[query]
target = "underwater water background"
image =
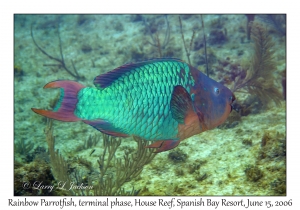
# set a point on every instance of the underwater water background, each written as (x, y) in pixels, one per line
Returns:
(244, 156)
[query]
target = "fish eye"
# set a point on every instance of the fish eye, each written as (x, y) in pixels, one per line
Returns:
(217, 91)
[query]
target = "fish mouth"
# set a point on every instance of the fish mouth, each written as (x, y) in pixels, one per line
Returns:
(233, 99)
(233, 103)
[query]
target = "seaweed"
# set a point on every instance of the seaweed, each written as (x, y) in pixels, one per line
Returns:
(250, 19)
(195, 166)
(33, 179)
(179, 172)
(83, 19)
(127, 168)
(38, 153)
(279, 185)
(114, 172)
(89, 143)
(247, 142)
(233, 120)
(259, 78)
(276, 21)
(177, 156)
(187, 49)
(85, 48)
(155, 38)
(200, 177)
(207, 58)
(253, 173)
(59, 166)
(273, 146)
(23, 147)
(283, 84)
(196, 43)
(205, 48)
(217, 37)
(60, 61)
(18, 71)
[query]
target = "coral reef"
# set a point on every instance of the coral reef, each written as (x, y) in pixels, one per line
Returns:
(218, 162)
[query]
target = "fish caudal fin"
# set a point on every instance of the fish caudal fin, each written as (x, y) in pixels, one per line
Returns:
(64, 109)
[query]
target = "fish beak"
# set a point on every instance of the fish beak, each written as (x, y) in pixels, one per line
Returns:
(233, 98)
(236, 106)
(233, 103)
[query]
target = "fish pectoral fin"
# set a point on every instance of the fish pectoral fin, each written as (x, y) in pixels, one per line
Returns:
(105, 127)
(164, 145)
(181, 104)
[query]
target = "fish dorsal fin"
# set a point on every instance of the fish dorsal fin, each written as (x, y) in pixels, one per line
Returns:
(105, 80)
(181, 104)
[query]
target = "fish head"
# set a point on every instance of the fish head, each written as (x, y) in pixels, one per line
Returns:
(212, 101)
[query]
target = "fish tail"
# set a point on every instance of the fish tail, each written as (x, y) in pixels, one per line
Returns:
(64, 109)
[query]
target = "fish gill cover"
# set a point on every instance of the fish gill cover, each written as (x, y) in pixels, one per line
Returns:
(245, 53)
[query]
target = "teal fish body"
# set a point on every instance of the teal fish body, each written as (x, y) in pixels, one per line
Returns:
(163, 100)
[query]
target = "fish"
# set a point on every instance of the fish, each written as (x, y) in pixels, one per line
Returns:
(164, 100)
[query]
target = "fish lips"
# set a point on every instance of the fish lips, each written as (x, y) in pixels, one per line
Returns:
(234, 105)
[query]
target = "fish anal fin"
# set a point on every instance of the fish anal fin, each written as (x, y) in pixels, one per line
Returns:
(164, 145)
(156, 144)
(105, 127)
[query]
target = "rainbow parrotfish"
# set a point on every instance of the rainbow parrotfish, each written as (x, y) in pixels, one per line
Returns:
(163, 100)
